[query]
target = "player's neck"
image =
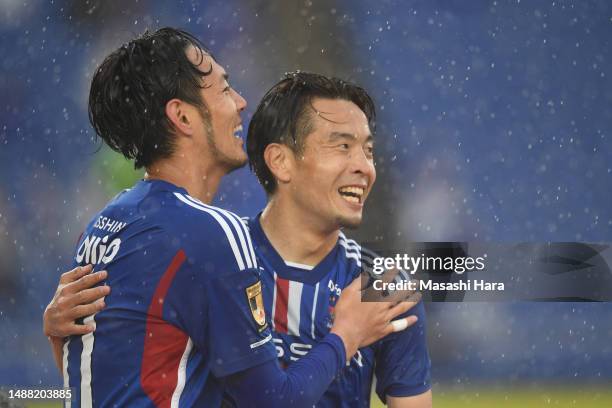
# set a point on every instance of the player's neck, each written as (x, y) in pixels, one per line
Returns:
(293, 237)
(200, 182)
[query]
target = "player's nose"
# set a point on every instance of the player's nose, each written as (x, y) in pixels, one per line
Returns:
(241, 103)
(362, 164)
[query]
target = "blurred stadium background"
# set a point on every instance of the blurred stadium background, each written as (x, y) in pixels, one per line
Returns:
(495, 124)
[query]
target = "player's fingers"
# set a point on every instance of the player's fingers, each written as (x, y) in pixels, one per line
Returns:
(70, 329)
(76, 273)
(413, 297)
(86, 310)
(400, 296)
(87, 296)
(78, 329)
(389, 275)
(402, 324)
(400, 308)
(85, 282)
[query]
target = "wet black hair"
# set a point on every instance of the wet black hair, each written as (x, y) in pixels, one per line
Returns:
(285, 114)
(130, 89)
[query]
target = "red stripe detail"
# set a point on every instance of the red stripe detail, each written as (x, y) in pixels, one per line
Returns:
(280, 311)
(164, 344)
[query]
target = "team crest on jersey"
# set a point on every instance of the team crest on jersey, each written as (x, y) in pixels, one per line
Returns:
(256, 305)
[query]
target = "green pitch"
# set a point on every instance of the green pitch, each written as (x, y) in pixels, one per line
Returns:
(523, 397)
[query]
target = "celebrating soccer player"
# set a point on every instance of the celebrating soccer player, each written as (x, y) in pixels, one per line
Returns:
(186, 320)
(310, 143)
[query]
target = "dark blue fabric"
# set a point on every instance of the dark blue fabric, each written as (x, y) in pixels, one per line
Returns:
(301, 385)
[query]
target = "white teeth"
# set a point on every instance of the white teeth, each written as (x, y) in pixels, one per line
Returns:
(355, 193)
(351, 199)
(353, 190)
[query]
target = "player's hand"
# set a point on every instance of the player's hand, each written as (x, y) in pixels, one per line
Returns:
(360, 324)
(74, 298)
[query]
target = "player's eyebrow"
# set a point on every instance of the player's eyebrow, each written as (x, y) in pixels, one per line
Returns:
(335, 136)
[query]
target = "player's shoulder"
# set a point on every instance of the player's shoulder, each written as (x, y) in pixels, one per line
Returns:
(171, 209)
(119, 212)
(247, 222)
(212, 228)
(363, 258)
(192, 213)
(353, 251)
(163, 206)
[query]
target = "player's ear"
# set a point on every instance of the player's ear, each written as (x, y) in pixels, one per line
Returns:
(181, 115)
(279, 160)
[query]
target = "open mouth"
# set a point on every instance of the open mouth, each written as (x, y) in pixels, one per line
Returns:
(238, 132)
(352, 194)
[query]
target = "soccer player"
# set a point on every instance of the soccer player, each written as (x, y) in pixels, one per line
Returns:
(310, 143)
(311, 146)
(185, 319)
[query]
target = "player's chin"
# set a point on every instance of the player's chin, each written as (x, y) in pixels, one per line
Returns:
(241, 159)
(350, 220)
(236, 162)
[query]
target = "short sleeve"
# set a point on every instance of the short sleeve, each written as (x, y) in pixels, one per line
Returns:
(403, 367)
(238, 334)
(217, 298)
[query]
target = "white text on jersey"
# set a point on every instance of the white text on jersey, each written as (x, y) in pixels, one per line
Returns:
(94, 250)
(109, 225)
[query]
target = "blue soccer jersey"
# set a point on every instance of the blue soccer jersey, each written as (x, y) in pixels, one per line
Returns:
(186, 304)
(301, 300)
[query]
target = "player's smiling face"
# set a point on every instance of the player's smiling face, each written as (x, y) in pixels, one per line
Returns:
(224, 105)
(336, 172)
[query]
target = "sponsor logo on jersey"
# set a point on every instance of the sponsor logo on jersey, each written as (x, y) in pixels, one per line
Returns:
(298, 350)
(334, 293)
(96, 250)
(334, 288)
(256, 305)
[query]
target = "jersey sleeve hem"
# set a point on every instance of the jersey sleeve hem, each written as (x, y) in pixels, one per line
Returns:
(404, 391)
(243, 363)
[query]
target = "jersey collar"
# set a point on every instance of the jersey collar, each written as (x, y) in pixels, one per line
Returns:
(161, 185)
(290, 271)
